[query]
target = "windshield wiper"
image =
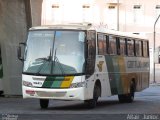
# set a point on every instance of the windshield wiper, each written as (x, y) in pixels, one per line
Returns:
(59, 64)
(48, 59)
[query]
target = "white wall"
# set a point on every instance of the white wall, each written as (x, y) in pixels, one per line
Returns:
(130, 19)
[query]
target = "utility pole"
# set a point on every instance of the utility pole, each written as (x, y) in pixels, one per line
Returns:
(154, 49)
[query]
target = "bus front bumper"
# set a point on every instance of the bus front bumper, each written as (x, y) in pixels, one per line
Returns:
(61, 94)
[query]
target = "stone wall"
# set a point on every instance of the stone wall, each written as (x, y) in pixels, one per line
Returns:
(12, 31)
(16, 16)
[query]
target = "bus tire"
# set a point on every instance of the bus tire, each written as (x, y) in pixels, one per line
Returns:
(44, 103)
(128, 98)
(92, 103)
(1, 92)
(122, 98)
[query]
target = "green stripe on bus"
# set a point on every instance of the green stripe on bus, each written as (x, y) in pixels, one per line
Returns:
(57, 82)
(48, 82)
(117, 74)
(122, 69)
(110, 68)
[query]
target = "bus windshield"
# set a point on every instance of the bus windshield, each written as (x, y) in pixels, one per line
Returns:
(55, 52)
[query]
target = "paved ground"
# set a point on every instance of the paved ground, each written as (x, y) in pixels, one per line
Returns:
(146, 102)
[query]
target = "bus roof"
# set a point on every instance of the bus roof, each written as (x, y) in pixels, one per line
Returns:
(75, 26)
(125, 34)
(89, 26)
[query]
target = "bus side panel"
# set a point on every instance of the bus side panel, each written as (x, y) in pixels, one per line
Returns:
(102, 75)
(138, 69)
(112, 79)
(138, 81)
(89, 87)
(124, 75)
(145, 80)
(145, 73)
(117, 74)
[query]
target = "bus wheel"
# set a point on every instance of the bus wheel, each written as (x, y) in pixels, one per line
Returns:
(127, 97)
(1, 92)
(130, 96)
(122, 98)
(44, 103)
(93, 102)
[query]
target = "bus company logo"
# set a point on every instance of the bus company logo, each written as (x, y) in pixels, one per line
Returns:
(99, 65)
(137, 64)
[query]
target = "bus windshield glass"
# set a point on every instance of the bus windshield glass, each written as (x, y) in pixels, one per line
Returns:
(55, 52)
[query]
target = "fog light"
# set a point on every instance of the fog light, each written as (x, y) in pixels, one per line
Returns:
(30, 92)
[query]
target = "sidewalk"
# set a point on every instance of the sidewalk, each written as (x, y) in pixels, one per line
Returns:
(156, 83)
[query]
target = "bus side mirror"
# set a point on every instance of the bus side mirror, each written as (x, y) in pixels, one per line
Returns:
(19, 51)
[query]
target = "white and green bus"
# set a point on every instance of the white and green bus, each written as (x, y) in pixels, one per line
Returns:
(79, 62)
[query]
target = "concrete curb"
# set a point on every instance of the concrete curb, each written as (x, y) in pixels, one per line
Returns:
(155, 84)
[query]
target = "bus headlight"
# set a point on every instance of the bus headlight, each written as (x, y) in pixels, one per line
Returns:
(78, 84)
(26, 83)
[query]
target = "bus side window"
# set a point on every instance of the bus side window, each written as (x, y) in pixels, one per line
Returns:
(112, 45)
(105, 44)
(138, 47)
(100, 44)
(118, 45)
(102, 50)
(122, 46)
(145, 49)
(148, 48)
(130, 47)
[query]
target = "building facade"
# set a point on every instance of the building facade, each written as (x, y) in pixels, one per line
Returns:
(136, 16)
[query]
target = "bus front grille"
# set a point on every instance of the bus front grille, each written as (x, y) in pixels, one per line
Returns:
(50, 94)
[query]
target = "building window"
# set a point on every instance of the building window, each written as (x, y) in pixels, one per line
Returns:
(111, 7)
(157, 8)
(138, 15)
(137, 6)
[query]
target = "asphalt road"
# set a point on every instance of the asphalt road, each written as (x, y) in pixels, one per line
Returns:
(146, 106)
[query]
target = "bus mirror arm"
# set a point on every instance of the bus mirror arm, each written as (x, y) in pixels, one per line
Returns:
(19, 51)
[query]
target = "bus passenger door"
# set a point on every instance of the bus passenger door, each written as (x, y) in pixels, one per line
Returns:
(90, 62)
(91, 53)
